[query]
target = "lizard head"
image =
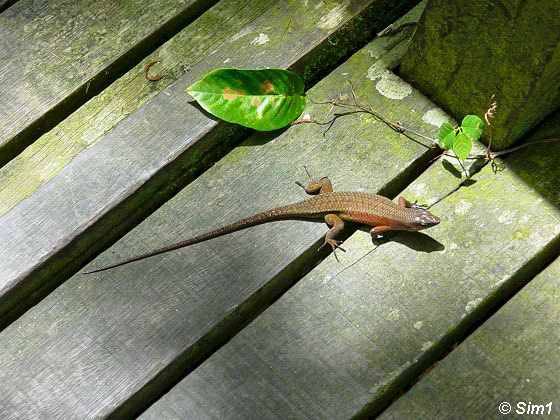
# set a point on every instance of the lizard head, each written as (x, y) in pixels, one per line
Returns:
(423, 219)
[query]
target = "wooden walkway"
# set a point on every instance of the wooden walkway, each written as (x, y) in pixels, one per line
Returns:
(98, 164)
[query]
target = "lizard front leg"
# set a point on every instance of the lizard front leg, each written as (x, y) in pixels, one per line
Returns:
(377, 231)
(336, 225)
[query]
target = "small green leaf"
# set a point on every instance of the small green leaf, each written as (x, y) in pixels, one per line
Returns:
(444, 130)
(462, 146)
(472, 126)
(473, 121)
(265, 100)
(448, 141)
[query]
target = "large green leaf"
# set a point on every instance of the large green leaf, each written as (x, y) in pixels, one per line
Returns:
(261, 99)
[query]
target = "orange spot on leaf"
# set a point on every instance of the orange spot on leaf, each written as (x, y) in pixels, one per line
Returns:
(230, 94)
(267, 86)
(256, 101)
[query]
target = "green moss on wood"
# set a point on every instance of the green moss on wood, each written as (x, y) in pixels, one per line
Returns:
(464, 52)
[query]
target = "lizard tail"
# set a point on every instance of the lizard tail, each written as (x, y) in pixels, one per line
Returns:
(280, 213)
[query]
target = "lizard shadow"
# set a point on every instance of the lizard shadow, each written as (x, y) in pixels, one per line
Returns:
(417, 241)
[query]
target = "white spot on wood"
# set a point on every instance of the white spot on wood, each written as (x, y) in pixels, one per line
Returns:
(227, 60)
(427, 345)
(470, 306)
(245, 31)
(332, 19)
(462, 207)
(393, 87)
(453, 246)
(377, 70)
(418, 325)
(435, 117)
(260, 40)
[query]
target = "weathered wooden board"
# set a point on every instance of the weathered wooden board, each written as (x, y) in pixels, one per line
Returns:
(113, 184)
(513, 358)
(56, 55)
(112, 342)
(47, 156)
(344, 341)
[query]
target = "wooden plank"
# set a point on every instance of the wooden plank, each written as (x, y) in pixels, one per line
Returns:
(56, 55)
(109, 344)
(167, 142)
(47, 156)
(513, 358)
(349, 337)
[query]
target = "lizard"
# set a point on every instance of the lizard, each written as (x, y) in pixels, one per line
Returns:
(325, 205)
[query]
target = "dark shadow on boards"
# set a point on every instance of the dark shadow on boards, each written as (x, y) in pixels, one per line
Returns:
(417, 241)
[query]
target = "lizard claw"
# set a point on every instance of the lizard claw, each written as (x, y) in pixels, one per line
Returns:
(333, 243)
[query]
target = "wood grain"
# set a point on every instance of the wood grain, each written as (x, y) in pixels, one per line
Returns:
(108, 345)
(47, 156)
(56, 55)
(513, 357)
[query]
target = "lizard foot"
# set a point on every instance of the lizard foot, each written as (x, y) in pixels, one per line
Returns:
(334, 244)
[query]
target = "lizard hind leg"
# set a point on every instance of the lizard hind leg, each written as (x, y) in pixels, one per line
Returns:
(336, 225)
(317, 186)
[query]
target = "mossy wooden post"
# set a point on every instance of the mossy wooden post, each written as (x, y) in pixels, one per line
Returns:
(465, 51)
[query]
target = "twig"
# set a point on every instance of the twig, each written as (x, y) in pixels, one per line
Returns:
(401, 129)
(522, 146)
(147, 75)
(458, 187)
